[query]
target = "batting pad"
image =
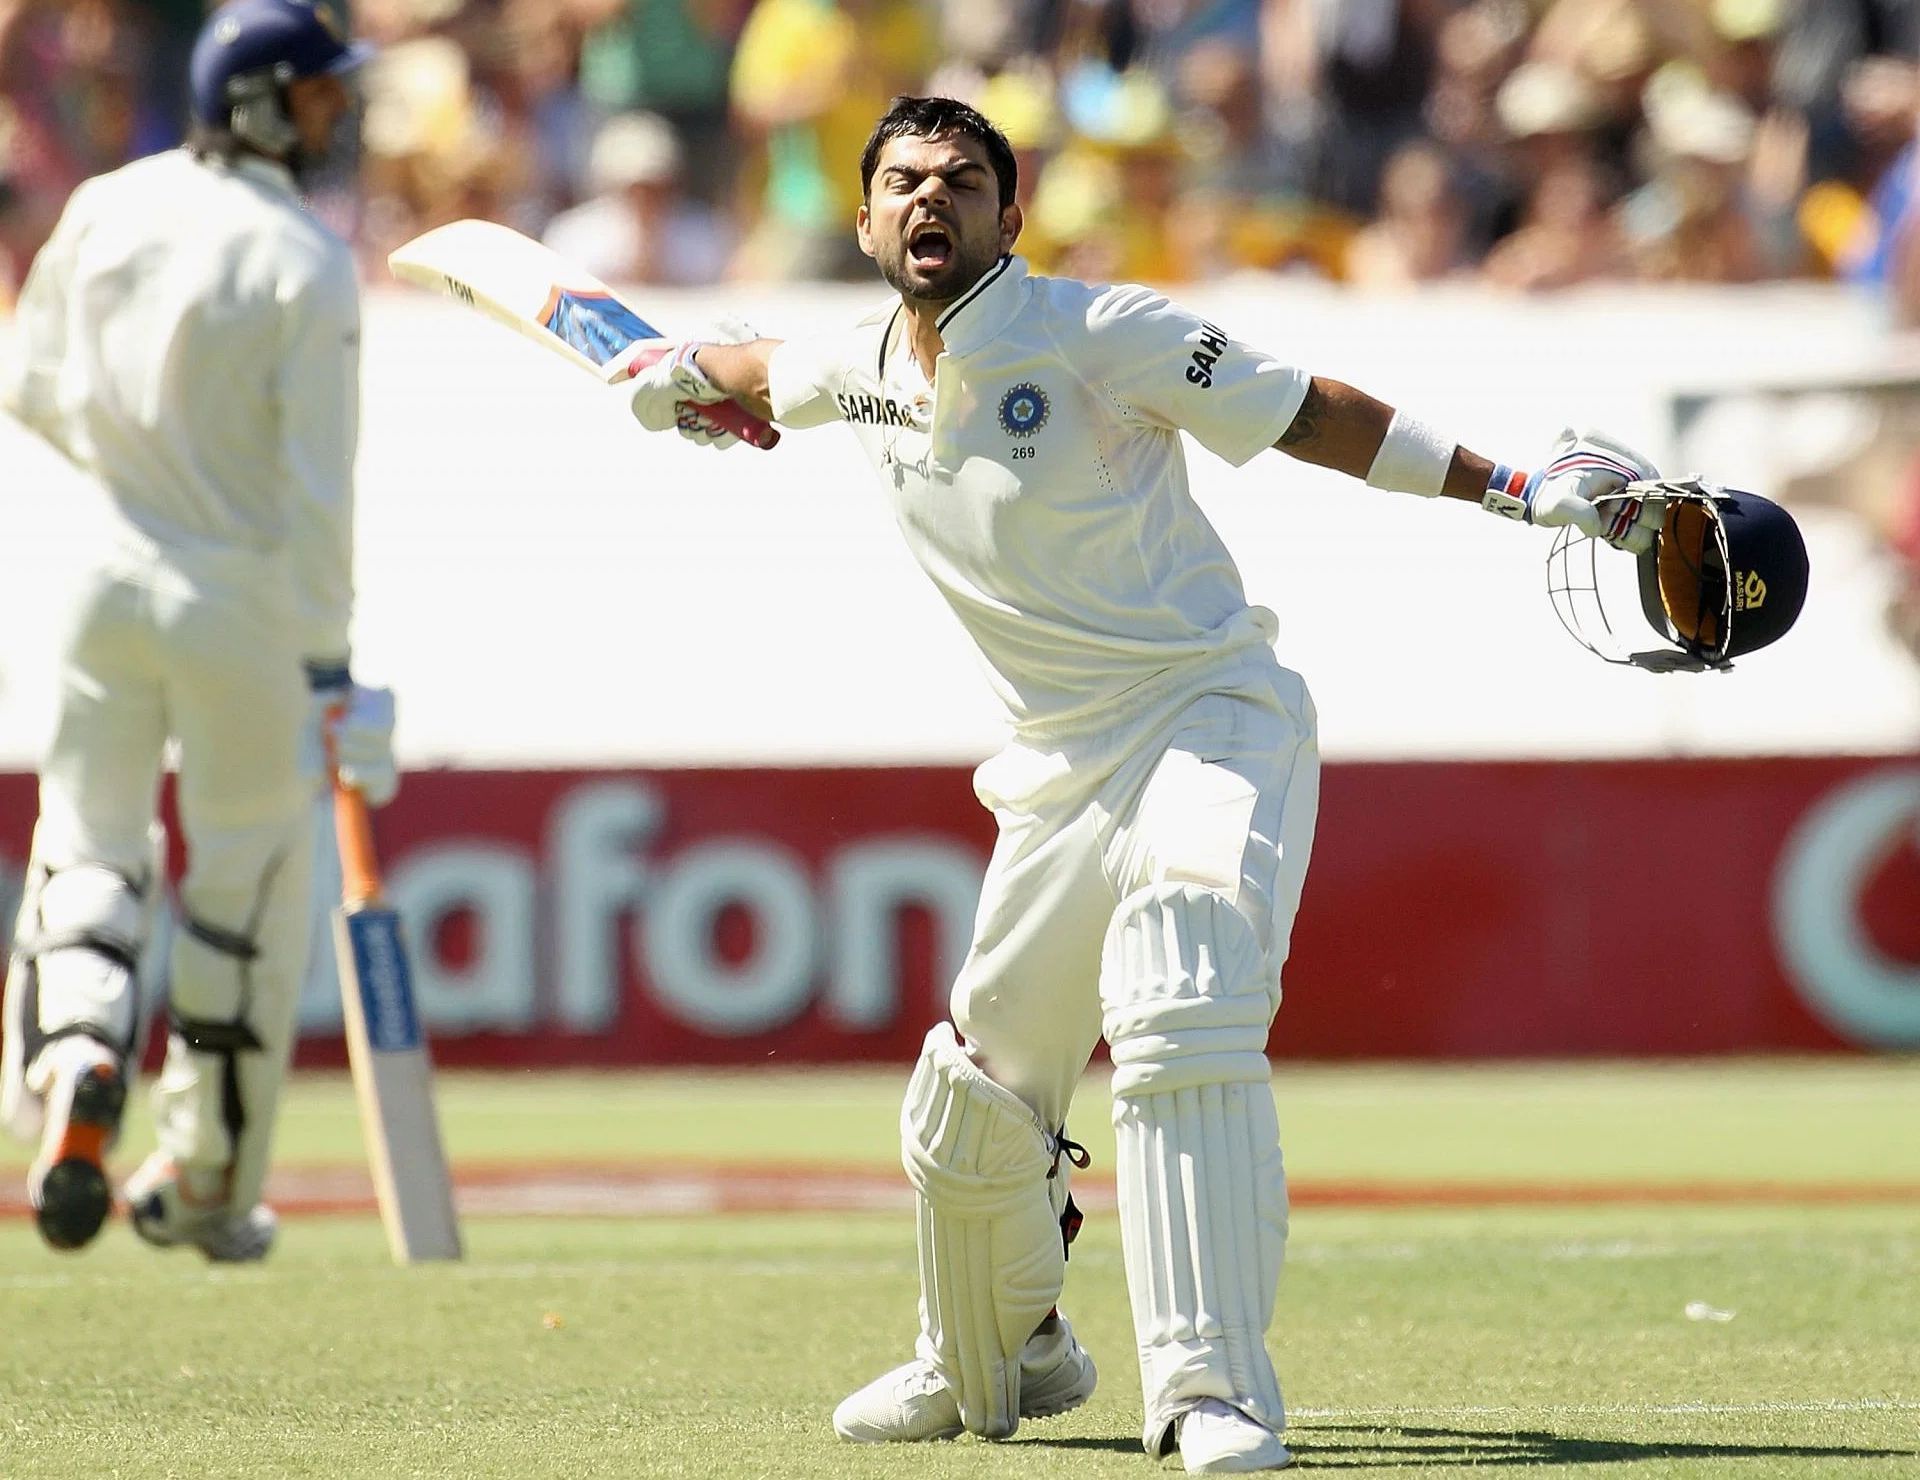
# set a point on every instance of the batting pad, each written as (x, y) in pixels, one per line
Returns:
(1201, 1186)
(1184, 992)
(92, 925)
(231, 1015)
(991, 1260)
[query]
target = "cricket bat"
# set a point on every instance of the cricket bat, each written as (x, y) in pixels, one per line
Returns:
(532, 289)
(392, 1074)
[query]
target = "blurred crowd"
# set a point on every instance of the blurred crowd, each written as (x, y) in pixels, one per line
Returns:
(1532, 144)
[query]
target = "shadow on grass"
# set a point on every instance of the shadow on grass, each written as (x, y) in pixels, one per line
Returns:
(1098, 1446)
(1401, 1444)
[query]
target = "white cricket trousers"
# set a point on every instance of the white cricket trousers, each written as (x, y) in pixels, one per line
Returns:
(1218, 788)
(159, 646)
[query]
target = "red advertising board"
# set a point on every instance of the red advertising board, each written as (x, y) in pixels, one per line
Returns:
(1452, 910)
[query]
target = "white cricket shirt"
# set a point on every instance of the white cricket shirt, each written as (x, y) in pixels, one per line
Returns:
(189, 336)
(1040, 479)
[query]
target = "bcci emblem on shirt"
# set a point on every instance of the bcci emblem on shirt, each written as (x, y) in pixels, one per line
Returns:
(1023, 410)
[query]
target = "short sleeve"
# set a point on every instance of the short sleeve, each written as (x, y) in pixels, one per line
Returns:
(1167, 366)
(803, 377)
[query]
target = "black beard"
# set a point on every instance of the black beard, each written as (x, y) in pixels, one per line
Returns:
(966, 269)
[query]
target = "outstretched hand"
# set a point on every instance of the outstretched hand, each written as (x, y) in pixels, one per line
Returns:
(670, 391)
(1583, 484)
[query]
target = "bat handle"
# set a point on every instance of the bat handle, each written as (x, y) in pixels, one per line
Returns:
(359, 865)
(729, 414)
(352, 829)
(744, 424)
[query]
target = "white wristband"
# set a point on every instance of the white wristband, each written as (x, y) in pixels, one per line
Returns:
(1413, 458)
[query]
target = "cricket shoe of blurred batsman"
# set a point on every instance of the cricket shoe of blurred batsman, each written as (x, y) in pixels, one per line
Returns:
(1156, 801)
(188, 339)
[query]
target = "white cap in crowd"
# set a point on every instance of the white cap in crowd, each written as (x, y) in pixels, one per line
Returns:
(632, 149)
(1546, 98)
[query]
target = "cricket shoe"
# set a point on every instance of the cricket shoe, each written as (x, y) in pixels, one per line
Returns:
(165, 1215)
(1218, 1439)
(913, 1404)
(84, 1094)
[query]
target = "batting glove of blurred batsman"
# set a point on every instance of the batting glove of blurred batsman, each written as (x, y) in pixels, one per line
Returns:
(355, 725)
(1581, 485)
(670, 389)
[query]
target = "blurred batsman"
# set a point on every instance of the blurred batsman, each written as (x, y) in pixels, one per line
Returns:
(1155, 802)
(188, 338)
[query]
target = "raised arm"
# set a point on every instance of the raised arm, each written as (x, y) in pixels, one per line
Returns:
(1349, 431)
(711, 388)
(1345, 429)
(739, 372)
(1166, 366)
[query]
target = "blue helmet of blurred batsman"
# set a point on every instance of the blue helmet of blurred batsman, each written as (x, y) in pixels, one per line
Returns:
(250, 51)
(1726, 575)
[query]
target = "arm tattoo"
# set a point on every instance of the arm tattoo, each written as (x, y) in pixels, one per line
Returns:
(1305, 426)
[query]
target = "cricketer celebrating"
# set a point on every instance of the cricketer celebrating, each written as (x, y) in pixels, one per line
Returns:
(188, 338)
(1156, 800)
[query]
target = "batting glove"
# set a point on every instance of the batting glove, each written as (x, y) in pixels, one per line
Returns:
(1581, 485)
(355, 724)
(697, 426)
(669, 389)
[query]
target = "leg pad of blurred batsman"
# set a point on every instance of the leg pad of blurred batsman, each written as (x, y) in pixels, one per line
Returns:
(1188, 995)
(72, 1021)
(992, 1193)
(231, 1023)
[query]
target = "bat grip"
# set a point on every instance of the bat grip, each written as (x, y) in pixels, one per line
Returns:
(352, 828)
(743, 424)
(359, 866)
(729, 414)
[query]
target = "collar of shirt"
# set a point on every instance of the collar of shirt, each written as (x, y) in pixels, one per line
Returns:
(264, 171)
(979, 315)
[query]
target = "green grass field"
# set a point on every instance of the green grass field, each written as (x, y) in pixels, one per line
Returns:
(1413, 1340)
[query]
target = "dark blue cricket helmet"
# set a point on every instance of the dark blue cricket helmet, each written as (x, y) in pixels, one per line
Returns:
(1726, 575)
(250, 50)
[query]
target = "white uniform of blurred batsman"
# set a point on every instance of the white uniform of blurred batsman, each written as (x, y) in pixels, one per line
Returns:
(188, 338)
(1155, 804)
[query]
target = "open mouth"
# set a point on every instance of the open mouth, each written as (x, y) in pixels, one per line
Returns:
(930, 245)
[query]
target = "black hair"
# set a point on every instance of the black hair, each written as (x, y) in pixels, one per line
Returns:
(928, 118)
